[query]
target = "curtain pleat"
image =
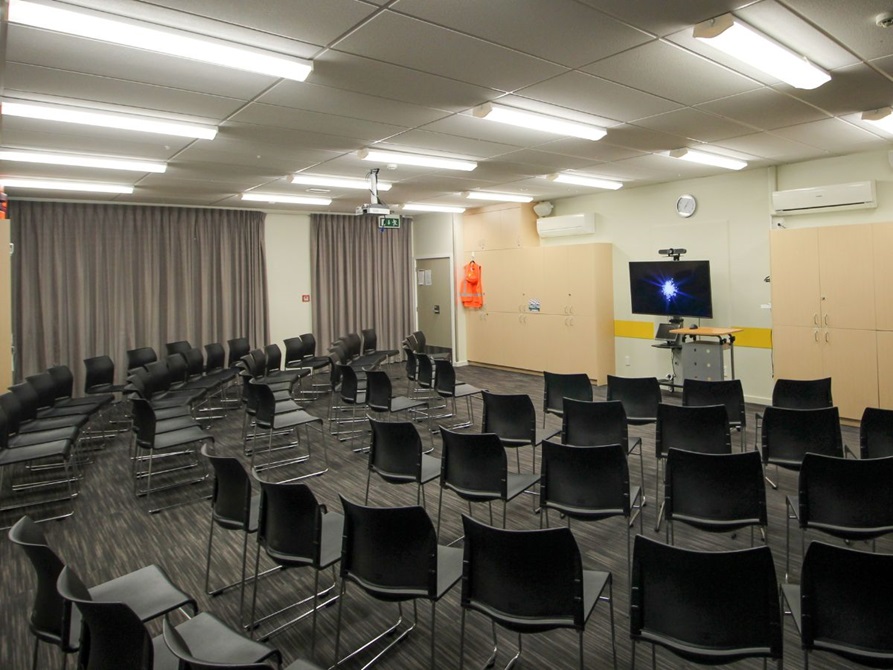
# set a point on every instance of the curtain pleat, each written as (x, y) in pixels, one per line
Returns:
(362, 277)
(94, 279)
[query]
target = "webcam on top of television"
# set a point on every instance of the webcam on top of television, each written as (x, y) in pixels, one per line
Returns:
(674, 253)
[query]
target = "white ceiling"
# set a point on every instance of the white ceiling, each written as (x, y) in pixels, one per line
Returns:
(404, 75)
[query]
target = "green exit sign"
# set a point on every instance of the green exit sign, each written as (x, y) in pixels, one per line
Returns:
(388, 221)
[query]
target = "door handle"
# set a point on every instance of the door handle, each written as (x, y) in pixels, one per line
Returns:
(827, 337)
(826, 319)
(815, 334)
(815, 318)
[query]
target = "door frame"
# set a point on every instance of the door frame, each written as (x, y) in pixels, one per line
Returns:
(415, 292)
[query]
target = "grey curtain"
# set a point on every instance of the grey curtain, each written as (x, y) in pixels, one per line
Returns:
(362, 277)
(93, 279)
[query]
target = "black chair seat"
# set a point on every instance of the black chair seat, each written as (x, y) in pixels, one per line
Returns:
(147, 591)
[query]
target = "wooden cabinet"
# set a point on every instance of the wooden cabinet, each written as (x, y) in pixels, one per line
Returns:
(573, 329)
(505, 226)
(829, 301)
(885, 368)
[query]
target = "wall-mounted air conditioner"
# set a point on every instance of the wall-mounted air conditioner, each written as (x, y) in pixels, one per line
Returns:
(855, 195)
(569, 224)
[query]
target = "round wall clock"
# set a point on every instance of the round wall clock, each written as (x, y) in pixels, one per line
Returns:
(686, 205)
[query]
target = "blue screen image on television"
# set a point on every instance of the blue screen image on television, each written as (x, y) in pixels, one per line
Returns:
(671, 288)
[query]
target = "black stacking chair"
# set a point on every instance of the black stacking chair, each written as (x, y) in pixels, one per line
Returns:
(425, 379)
(716, 493)
(513, 418)
(100, 376)
(640, 397)
(798, 394)
(352, 394)
(529, 581)
(393, 555)
(397, 456)
(588, 484)
(558, 386)
(448, 388)
(842, 606)
(295, 531)
(238, 347)
(474, 466)
(789, 434)
(411, 369)
(63, 379)
(380, 396)
(178, 347)
(702, 428)
(370, 344)
(147, 591)
(728, 392)
(20, 433)
(876, 433)
(706, 607)
(421, 346)
(140, 358)
(846, 498)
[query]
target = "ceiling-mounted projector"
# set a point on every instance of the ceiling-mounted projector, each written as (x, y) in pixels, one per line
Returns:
(374, 208)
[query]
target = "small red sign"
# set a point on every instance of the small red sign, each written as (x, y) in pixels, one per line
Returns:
(305, 297)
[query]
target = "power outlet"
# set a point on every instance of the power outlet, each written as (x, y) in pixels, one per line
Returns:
(626, 361)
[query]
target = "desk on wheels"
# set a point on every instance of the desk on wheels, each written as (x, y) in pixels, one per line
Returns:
(696, 358)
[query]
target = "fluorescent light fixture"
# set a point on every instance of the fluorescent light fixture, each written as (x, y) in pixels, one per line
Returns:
(420, 207)
(583, 180)
(87, 117)
(535, 121)
(400, 158)
(63, 185)
(75, 160)
(739, 40)
(285, 199)
(168, 41)
(337, 182)
(496, 197)
(705, 158)
(882, 118)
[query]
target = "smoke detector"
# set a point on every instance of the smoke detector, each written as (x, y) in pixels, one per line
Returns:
(884, 20)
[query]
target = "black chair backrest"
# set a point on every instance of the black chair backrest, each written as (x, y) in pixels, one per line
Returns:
(195, 362)
(231, 495)
(350, 383)
(703, 428)
(353, 344)
(43, 384)
(425, 373)
(295, 350)
(534, 578)
(378, 390)
(29, 401)
(48, 608)
(177, 368)
(290, 523)
(12, 411)
(585, 482)
(640, 397)
(144, 420)
(846, 498)
(63, 380)
(255, 362)
(100, 370)
(140, 357)
(410, 364)
(396, 450)
(728, 392)
(238, 347)
(309, 342)
(389, 551)
(262, 401)
(444, 377)
(802, 393)
(370, 340)
(215, 357)
(698, 601)
(845, 599)
(590, 424)
(715, 492)
(160, 377)
(474, 465)
(511, 416)
(116, 636)
(876, 433)
(273, 357)
(789, 434)
(178, 347)
(558, 386)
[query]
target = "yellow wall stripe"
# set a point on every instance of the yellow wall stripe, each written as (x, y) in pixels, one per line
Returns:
(755, 338)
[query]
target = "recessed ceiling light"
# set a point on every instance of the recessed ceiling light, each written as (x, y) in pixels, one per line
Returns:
(400, 158)
(737, 39)
(584, 180)
(706, 158)
(421, 207)
(496, 197)
(103, 119)
(64, 185)
(548, 124)
(336, 182)
(136, 34)
(285, 199)
(75, 160)
(881, 118)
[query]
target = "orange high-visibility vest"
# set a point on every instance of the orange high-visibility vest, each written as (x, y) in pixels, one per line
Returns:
(472, 292)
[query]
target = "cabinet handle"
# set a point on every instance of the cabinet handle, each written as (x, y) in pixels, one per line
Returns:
(815, 318)
(815, 333)
(565, 309)
(572, 309)
(827, 336)
(571, 321)
(826, 319)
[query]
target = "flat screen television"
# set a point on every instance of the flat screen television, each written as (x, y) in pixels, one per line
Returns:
(671, 288)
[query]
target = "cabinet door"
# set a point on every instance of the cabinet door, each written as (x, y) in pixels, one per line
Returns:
(569, 345)
(498, 290)
(796, 352)
(526, 276)
(478, 336)
(882, 243)
(795, 277)
(846, 269)
(471, 232)
(556, 287)
(885, 368)
(850, 359)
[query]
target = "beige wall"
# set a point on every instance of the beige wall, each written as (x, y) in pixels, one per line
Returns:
(288, 275)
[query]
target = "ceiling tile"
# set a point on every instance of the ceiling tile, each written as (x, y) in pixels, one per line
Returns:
(855, 88)
(592, 151)
(851, 22)
(422, 140)
(643, 139)
(764, 108)
(326, 124)
(662, 18)
(771, 147)
(831, 135)
(466, 125)
(695, 125)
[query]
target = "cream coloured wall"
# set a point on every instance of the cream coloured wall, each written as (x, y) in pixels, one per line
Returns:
(287, 239)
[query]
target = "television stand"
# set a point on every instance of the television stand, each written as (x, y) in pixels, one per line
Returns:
(674, 380)
(725, 340)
